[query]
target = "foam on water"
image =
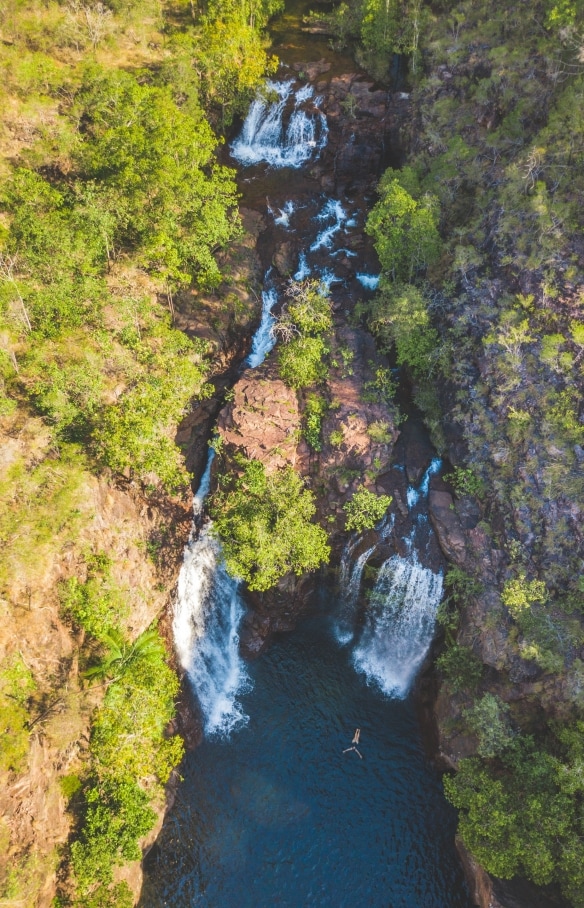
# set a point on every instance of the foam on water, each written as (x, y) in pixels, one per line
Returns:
(284, 215)
(303, 268)
(332, 211)
(399, 624)
(369, 281)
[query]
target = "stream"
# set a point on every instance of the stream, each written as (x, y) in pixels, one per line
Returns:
(274, 809)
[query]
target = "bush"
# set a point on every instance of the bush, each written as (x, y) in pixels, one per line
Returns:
(365, 509)
(519, 814)
(314, 411)
(404, 225)
(302, 362)
(519, 594)
(95, 604)
(16, 686)
(488, 719)
(460, 667)
(264, 524)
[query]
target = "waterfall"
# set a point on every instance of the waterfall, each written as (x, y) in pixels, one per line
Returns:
(264, 137)
(350, 574)
(204, 486)
(414, 495)
(303, 268)
(264, 338)
(399, 624)
(207, 613)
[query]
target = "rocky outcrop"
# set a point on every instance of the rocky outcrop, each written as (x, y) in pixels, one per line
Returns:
(263, 420)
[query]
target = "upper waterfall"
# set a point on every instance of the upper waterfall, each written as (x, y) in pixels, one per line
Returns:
(265, 137)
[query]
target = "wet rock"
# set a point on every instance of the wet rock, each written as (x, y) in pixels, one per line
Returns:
(447, 525)
(311, 71)
(284, 259)
(418, 452)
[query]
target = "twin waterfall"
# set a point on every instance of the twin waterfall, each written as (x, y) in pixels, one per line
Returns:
(391, 634)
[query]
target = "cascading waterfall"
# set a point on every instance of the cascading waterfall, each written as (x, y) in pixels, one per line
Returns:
(264, 138)
(350, 574)
(414, 495)
(203, 490)
(207, 613)
(399, 624)
(264, 338)
(332, 211)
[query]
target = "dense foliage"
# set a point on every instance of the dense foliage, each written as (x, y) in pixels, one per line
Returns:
(488, 322)
(264, 522)
(364, 509)
(112, 204)
(304, 326)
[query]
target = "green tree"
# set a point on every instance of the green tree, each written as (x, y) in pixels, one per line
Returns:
(364, 509)
(404, 225)
(264, 522)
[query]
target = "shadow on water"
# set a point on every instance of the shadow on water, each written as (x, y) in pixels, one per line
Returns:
(278, 815)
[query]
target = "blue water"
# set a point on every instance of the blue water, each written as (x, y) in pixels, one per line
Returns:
(279, 816)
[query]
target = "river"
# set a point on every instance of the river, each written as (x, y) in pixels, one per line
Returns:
(276, 806)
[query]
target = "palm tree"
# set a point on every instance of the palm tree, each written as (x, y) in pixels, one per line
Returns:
(121, 654)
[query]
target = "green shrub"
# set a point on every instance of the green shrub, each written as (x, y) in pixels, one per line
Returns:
(314, 411)
(302, 361)
(95, 604)
(466, 482)
(16, 686)
(488, 719)
(404, 225)
(520, 594)
(365, 509)
(264, 524)
(519, 814)
(460, 667)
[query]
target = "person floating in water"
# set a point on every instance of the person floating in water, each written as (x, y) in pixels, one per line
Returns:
(354, 743)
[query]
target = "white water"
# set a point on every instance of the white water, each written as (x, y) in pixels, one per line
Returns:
(284, 215)
(413, 495)
(264, 339)
(303, 268)
(265, 137)
(332, 211)
(204, 486)
(207, 613)
(208, 608)
(350, 574)
(399, 624)
(370, 281)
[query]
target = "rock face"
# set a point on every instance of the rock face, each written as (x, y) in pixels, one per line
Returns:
(263, 420)
(447, 525)
(225, 319)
